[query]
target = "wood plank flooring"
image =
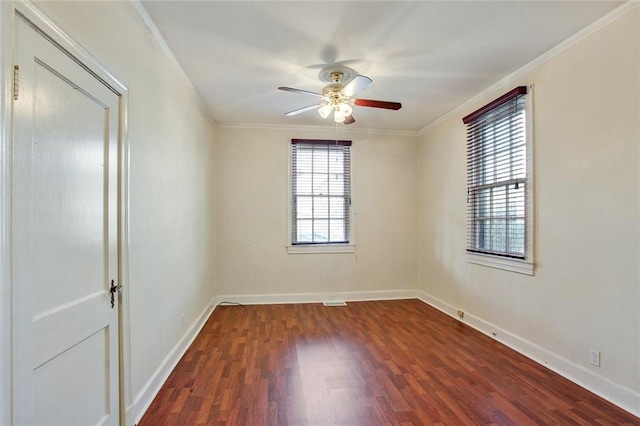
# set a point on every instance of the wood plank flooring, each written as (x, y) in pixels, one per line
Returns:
(368, 363)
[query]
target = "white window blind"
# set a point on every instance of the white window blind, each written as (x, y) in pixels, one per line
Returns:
(321, 191)
(497, 177)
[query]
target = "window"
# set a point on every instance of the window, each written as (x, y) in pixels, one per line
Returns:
(498, 178)
(321, 191)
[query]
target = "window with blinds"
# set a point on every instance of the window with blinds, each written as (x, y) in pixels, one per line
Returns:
(497, 177)
(321, 191)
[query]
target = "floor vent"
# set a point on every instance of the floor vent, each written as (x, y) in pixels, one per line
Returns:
(335, 303)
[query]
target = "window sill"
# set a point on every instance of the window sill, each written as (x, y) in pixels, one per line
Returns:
(321, 249)
(513, 265)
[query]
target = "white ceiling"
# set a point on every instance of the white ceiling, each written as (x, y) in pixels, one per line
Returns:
(430, 55)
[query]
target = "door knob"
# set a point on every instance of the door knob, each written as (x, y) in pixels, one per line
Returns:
(113, 289)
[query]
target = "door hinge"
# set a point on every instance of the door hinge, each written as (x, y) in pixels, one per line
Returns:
(16, 82)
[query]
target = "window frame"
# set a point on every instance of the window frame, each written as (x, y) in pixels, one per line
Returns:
(319, 247)
(525, 265)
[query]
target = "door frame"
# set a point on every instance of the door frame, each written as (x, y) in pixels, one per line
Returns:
(9, 12)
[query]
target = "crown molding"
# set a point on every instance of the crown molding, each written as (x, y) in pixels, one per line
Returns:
(342, 131)
(594, 27)
(155, 32)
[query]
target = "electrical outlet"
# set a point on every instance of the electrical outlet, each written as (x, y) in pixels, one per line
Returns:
(594, 357)
(182, 319)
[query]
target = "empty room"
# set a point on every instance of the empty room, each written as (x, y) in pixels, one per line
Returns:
(320, 212)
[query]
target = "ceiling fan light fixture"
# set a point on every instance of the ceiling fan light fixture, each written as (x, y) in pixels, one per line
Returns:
(325, 110)
(346, 109)
(338, 116)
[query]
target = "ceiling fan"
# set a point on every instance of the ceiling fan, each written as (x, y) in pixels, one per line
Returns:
(337, 98)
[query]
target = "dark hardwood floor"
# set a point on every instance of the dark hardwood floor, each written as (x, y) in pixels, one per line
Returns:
(367, 363)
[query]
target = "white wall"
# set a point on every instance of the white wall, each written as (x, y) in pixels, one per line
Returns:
(252, 216)
(586, 290)
(171, 185)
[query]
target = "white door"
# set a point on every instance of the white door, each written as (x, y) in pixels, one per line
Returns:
(64, 239)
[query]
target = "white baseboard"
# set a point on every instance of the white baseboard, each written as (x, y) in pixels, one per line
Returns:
(623, 397)
(145, 397)
(349, 296)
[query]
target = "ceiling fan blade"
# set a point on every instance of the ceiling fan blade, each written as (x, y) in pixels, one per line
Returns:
(356, 85)
(349, 119)
(304, 92)
(301, 110)
(377, 104)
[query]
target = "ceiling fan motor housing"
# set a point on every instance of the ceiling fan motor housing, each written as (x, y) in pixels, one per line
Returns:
(332, 88)
(334, 95)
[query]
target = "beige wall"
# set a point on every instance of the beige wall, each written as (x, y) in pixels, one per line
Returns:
(171, 173)
(252, 216)
(586, 290)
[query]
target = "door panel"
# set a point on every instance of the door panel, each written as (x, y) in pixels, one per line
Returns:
(85, 366)
(70, 225)
(64, 239)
